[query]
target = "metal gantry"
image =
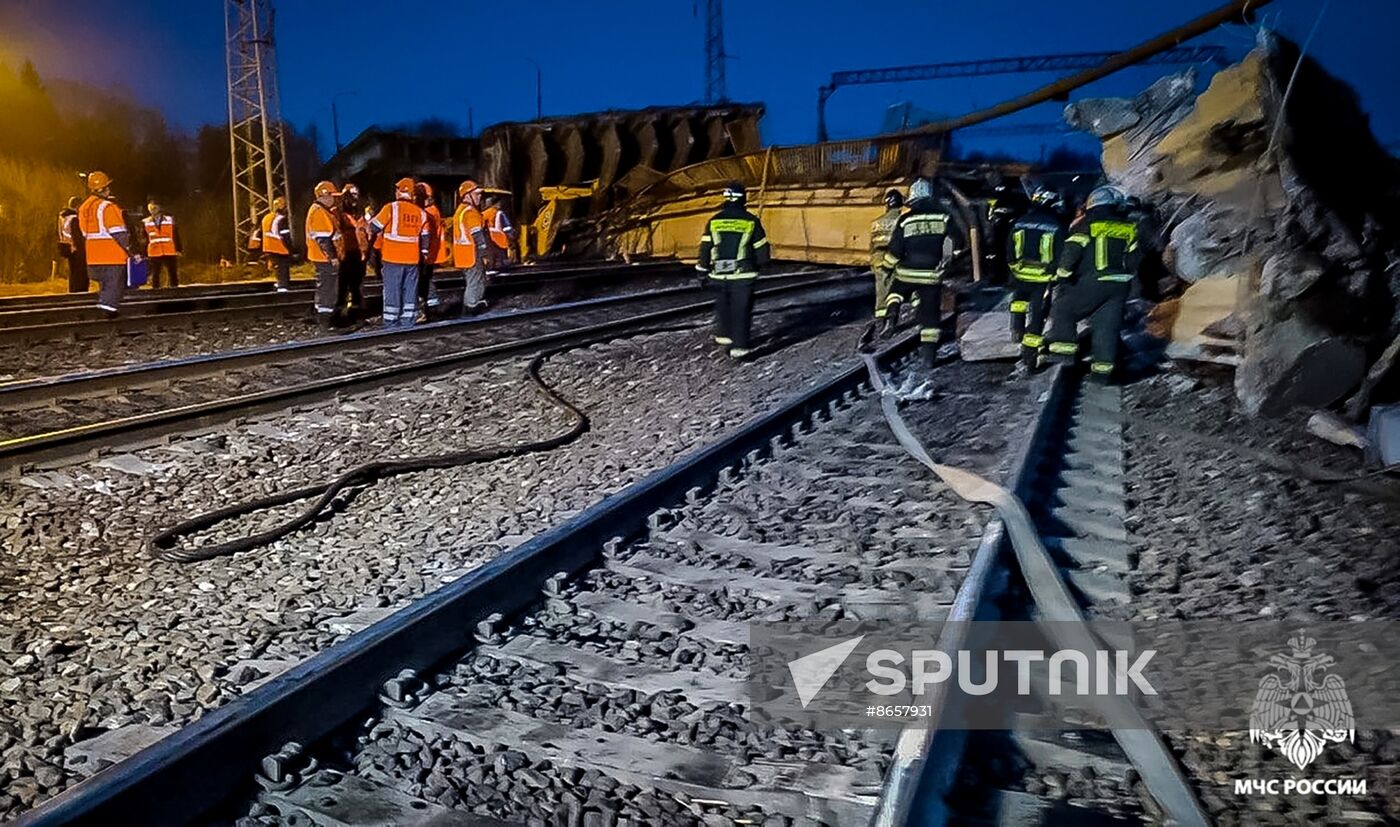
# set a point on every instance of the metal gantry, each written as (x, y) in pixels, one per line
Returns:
(257, 146)
(714, 51)
(1000, 66)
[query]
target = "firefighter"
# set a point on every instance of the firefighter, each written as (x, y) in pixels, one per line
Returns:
(401, 230)
(1005, 206)
(427, 290)
(732, 249)
(106, 242)
(162, 245)
(880, 231)
(1100, 261)
(501, 232)
(354, 228)
(1033, 247)
(924, 242)
(325, 249)
(70, 246)
(276, 238)
(470, 246)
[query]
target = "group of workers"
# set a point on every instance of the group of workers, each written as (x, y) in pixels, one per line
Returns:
(1061, 270)
(405, 242)
(1066, 271)
(94, 240)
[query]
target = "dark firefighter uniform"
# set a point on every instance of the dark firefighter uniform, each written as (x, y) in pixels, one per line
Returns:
(1033, 247)
(1100, 261)
(880, 231)
(921, 247)
(1005, 206)
(732, 249)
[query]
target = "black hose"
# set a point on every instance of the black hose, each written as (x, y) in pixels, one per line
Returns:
(164, 545)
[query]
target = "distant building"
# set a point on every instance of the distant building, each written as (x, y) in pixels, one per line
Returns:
(376, 158)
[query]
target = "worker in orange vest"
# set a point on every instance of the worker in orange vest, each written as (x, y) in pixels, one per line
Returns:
(277, 243)
(401, 227)
(162, 244)
(470, 246)
(325, 247)
(427, 291)
(501, 231)
(106, 241)
(354, 226)
(70, 246)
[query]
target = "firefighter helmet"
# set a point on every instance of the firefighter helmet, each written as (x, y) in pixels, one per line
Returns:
(1104, 196)
(734, 191)
(922, 188)
(893, 199)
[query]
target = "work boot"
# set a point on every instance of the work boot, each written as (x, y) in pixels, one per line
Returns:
(323, 322)
(740, 353)
(723, 341)
(889, 324)
(1020, 372)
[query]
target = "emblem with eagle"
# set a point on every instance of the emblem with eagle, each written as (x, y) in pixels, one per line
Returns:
(1300, 706)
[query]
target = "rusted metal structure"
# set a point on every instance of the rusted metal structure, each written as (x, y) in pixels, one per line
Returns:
(817, 200)
(615, 153)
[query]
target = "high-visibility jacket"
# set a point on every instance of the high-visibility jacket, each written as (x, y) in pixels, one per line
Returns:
(1034, 245)
(434, 231)
(1102, 246)
(275, 232)
(355, 230)
(733, 245)
(255, 239)
(99, 220)
(321, 223)
(444, 253)
(469, 233)
(160, 237)
(922, 243)
(498, 226)
(403, 227)
(65, 229)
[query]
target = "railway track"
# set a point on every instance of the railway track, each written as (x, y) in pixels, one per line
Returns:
(42, 318)
(596, 673)
(65, 416)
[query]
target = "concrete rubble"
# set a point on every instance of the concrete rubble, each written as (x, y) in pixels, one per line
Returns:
(1279, 214)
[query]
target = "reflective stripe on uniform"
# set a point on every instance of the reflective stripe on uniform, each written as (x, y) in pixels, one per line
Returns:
(733, 276)
(1116, 277)
(761, 242)
(1065, 348)
(1101, 367)
(1030, 272)
(929, 334)
(1020, 306)
(893, 299)
(1033, 341)
(918, 276)
(392, 231)
(1062, 273)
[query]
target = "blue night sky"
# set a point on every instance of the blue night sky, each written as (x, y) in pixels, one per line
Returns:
(439, 59)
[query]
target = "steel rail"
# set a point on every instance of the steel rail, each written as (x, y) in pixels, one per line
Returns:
(127, 431)
(210, 761)
(85, 321)
(40, 390)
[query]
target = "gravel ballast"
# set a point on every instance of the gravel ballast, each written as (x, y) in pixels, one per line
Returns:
(97, 635)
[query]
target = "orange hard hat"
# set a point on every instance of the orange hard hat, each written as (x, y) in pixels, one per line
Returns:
(404, 186)
(425, 189)
(467, 187)
(98, 180)
(279, 203)
(325, 188)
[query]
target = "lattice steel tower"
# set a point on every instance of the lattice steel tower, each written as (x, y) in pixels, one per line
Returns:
(714, 51)
(257, 147)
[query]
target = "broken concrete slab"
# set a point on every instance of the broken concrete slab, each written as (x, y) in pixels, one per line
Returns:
(1293, 362)
(988, 338)
(90, 756)
(1336, 430)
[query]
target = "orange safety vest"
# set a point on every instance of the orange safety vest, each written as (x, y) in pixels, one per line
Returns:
(98, 218)
(65, 233)
(434, 232)
(402, 225)
(160, 238)
(321, 223)
(492, 218)
(444, 255)
(465, 221)
(272, 241)
(255, 239)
